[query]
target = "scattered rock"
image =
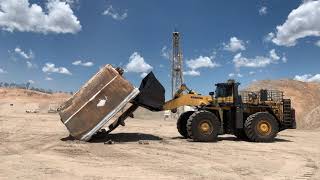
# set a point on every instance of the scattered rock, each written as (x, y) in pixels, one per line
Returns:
(109, 142)
(143, 142)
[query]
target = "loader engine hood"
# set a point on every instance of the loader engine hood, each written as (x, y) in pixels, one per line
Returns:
(152, 94)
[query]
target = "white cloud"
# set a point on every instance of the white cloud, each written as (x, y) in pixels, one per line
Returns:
(317, 43)
(31, 81)
(48, 79)
(256, 62)
(252, 72)
(57, 17)
(308, 78)
(235, 75)
(273, 55)
(85, 64)
(201, 61)
(269, 37)
(23, 54)
(72, 2)
(143, 74)
(115, 15)
(235, 45)
(165, 52)
(51, 68)
(2, 71)
(191, 73)
(137, 64)
(263, 10)
(31, 65)
(284, 59)
(301, 22)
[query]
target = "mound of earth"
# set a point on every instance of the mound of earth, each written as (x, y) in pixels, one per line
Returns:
(13, 101)
(305, 97)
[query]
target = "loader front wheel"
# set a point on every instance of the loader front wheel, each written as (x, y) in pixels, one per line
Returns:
(182, 123)
(261, 127)
(203, 126)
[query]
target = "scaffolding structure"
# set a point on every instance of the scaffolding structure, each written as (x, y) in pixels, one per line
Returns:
(177, 63)
(177, 69)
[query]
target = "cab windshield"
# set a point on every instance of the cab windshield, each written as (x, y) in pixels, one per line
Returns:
(223, 91)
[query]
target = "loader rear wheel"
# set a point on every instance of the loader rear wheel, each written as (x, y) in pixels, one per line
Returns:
(203, 126)
(182, 123)
(261, 127)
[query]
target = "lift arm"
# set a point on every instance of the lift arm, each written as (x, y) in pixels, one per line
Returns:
(187, 100)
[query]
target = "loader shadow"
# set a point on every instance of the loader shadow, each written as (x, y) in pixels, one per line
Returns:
(232, 138)
(123, 137)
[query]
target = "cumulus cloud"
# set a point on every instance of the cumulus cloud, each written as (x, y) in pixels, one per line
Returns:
(269, 37)
(137, 64)
(308, 78)
(58, 17)
(51, 68)
(301, 22)
(23, 54)
(263, 10)
(273, 55)
(48, 79)
(85, 64)
(110, 11)
(317, 43)
(235, 45)
(252, 72)
(2, 71)
(28, 56)
(31, 65)
(143, 74)
(256, 62)
(284, 59)
(200, 62)
(31, 81)
(192, 73)
(232, 75)
(165, 52)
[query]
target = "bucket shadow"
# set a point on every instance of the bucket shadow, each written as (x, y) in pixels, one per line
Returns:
(123, 137)
(68, 138)
(117, 137)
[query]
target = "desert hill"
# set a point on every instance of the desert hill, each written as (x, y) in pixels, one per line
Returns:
(19, 100)
(305, 98)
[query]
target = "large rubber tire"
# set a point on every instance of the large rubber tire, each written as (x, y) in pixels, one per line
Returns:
(203, 126)
(182, 123)
(240, 134)
(255, 127)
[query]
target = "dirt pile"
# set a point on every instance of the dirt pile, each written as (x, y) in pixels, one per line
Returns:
(13, 101)
(305, 98)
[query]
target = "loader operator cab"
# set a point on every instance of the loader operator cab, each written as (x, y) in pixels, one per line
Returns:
(227, 92)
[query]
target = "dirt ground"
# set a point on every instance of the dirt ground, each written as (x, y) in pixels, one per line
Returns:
(35, 146)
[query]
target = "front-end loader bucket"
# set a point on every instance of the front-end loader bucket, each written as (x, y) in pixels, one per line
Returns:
(152, 94)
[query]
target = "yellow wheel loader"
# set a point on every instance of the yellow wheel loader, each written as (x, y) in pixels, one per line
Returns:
(254, 116)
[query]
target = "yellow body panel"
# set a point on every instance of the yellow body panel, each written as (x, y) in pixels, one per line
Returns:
(187, 100)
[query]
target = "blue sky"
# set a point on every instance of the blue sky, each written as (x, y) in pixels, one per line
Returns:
(44, 41)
